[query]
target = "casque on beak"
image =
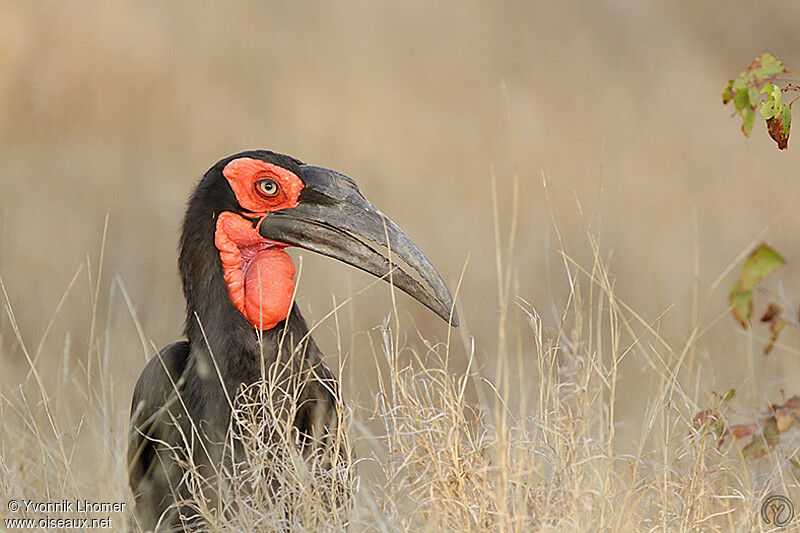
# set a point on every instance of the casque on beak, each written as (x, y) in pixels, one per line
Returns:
(334, 219)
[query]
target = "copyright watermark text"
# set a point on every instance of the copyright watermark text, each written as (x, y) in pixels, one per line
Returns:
(40, 514)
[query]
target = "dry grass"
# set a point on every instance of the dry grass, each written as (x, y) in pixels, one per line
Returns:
(507, 443)
(566, 398)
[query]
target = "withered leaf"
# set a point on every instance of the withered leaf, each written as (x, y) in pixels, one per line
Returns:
(775, 327)
(767, 431)
(756, 449)
(784, 418)
(702, 418)
(739, 431)
(773, 310)
(778, 127)
(773, 315)
(711, 419)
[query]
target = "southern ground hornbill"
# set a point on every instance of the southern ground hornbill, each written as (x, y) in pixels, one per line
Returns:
(239, 286)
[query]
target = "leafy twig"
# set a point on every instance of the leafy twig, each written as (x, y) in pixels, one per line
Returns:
(762, 77)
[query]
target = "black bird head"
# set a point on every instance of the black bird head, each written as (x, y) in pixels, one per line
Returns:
(262, 202)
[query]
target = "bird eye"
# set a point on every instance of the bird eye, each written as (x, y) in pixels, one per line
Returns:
(267, 187)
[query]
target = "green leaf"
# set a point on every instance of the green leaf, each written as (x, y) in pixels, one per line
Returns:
(719, 428)
(770, 66)
(729, 395)
(748, 121)
(786, 119)
(772, 106)
(742, 305)
(762, 262)
(765, 67)
(741, 99)
(745, 107)
(727, 93)
(752, 94)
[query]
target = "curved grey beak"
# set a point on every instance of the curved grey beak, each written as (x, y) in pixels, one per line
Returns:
(334, 219)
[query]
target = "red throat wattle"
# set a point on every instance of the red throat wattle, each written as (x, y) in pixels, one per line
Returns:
(260, 275)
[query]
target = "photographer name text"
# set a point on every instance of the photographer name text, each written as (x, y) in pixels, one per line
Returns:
(71, 506)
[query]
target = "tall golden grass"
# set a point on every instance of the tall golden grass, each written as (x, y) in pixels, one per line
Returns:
(587, 345)
(509, 442)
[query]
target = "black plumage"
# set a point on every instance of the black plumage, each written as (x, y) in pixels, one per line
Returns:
(181, 407)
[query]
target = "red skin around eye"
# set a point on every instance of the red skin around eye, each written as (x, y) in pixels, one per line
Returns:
(243, 173)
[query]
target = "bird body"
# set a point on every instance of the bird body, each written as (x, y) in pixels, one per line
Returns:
(241, 324)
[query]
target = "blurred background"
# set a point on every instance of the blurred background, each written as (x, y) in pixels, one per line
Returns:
(118, 108)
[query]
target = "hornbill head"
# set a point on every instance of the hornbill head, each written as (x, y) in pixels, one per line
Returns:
(264, 202)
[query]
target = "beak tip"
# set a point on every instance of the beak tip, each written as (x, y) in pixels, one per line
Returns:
(454, 319)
